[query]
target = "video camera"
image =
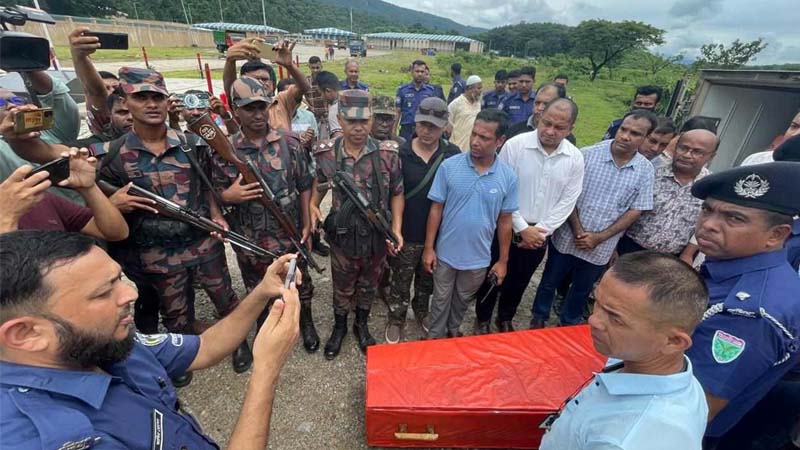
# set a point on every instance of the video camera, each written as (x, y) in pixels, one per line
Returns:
(23, 52)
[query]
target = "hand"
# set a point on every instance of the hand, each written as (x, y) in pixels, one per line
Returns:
(81, 45)
(239, 193)
(532, 238)
(315, 217)
(126, 203)
(395, 249)
(174, 107)
(82, 169)
(284, 53)
(7, 124)
(243, 50)
(219, 220)
(19, 195)
(272, 283)
(215, 104)
(305, 239)
(307, 136)
(429, 259)
(499, 271)
(588, 241)
(277, 337)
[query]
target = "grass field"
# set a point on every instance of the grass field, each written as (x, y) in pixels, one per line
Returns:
(136, 53)
(600, 101)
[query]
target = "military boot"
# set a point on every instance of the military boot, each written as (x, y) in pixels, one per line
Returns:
(334, 343)
(310, 336)
(361, 329)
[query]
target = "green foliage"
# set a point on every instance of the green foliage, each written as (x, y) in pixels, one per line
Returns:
(605, 43)
(718, 56)
(529, 39)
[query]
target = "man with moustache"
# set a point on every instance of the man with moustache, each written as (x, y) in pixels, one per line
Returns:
(383, 115)
(647, 98)
(409, 97)
(519, 106)
(496, 96)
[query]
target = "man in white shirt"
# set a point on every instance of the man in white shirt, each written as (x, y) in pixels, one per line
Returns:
(647, 306)
(766, 156)
(550, 176)
(463, 111)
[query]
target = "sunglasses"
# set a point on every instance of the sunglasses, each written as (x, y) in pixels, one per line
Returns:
(434, 113)
(16, 101)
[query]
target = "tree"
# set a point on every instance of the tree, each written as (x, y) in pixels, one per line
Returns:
(736, 55)
(656, 62)
(529, 39)
(604, 43)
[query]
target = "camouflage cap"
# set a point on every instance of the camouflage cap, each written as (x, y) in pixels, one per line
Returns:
(383, 104)
(355, 104)
(133, 79)
(246, 90)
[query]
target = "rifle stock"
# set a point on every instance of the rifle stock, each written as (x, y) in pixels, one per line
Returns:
(205, 127)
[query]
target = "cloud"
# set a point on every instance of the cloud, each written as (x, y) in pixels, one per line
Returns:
(694, 8)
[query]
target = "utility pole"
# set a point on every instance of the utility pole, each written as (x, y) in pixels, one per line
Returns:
(351, 20)
(264, 15)
(185, 14)
(135, 11)
(221, 18)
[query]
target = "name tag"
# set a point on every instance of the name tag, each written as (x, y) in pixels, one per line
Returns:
(158, 430)
(513, 107)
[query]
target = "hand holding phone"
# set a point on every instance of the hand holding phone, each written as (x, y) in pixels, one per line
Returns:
(290, 273)
(58, 170)
(110, 41)
(29, 120)
(266, 50)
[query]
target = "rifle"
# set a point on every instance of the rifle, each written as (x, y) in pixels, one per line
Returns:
(205, 127)
(346, 183)
(169, 208)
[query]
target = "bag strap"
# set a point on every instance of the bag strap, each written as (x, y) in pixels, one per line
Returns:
(431, 172)
(190, 149)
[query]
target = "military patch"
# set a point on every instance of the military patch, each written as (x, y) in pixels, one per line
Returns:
(207, 132)
(151, 340)
(726, 347)
(389, 145)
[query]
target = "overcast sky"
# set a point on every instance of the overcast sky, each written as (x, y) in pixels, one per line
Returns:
(689, 23)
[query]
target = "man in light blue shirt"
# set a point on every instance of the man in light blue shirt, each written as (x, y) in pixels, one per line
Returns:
(472, 193)
(647, 306)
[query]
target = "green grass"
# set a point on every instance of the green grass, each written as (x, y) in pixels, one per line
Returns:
(136, 53)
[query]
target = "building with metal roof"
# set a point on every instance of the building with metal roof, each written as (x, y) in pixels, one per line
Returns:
(328, 33)
(242, 27)
(418, 41)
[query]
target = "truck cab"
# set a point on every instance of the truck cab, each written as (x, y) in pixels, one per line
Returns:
(357, 47)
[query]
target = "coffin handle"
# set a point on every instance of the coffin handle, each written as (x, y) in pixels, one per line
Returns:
(403, 434)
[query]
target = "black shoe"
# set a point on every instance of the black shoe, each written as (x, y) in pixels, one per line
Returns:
(537, 323)
(310, 336)
(334, 343)
(504, 326)
(183, 380)
(361, 330)
(481, 328)
(318, 246)
(242, 358)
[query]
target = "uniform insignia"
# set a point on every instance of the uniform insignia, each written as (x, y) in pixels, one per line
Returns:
(83, 444)
(751, 186)
(151, 340)
(741, 295)
(177, 339)
(726, 347)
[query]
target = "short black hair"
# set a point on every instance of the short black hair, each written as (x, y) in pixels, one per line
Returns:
(573, 107)
(699, 123)
(643, 114)
(561, 76)
(501, 75)
(252, 66)
(665, 125)
(419, 62)
(116, 95)
(678, 294)
(513, 74)
(105, 75)
(25, 259)
(775, 219)
(285, 83)
(650, 90)
(529, 71)
(560, 90)
(327, 80)
(314, 60)
(497, 116)
(456, 68)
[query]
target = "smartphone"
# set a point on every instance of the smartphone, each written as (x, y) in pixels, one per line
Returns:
(266, 50)
(57, 168)
(33, 120)
(290, 274)
(110, 41)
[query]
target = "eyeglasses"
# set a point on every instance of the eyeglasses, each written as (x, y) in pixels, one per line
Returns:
(693, 152)
(432, 112)
(17, 101)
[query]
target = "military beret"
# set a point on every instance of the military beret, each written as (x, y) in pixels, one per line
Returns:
(789, 150)
(772, 187)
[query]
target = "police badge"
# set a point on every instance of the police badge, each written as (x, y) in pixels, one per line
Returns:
(751, 186)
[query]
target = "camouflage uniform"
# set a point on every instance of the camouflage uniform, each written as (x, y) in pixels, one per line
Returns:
(169, 255)
(355, 278)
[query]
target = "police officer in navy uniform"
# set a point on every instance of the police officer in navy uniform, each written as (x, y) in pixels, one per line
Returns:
(519, 106)
(789, 150)
(750, 334)
(74, 375)
(495, 97)
(409, 97)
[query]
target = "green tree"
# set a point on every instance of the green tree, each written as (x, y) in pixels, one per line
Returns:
(529, 39)
(604, 43)
(736, 55)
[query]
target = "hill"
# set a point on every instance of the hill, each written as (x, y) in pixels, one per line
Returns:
(407, 18)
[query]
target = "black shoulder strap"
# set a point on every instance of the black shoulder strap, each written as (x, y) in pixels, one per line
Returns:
(428, 176)
(113, 151)
(190, 149)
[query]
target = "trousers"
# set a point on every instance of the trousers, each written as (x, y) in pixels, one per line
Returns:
(452, 291)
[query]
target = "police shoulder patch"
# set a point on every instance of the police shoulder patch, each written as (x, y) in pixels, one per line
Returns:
(726, 347)
(151, 340)
(389, 145)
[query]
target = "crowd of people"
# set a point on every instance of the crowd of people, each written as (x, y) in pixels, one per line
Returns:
(688, 279)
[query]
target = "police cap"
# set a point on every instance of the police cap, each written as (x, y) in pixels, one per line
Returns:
(789, 150)
(772, 187)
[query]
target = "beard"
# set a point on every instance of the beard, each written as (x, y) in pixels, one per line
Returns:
(86, 350)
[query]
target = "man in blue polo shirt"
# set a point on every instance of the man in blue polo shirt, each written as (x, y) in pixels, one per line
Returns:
(409, 97)
(473, 194)
(519, 106)
(646, 307)
(74, 375)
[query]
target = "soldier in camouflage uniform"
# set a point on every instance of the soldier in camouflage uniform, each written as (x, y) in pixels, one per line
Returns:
(358, 251)
(166, 254)
(383, 115)
(282, 163)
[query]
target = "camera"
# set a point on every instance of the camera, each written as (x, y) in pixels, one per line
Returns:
(195, 100)
(23, 52)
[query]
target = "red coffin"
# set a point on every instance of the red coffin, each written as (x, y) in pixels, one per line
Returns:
(480, 391)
